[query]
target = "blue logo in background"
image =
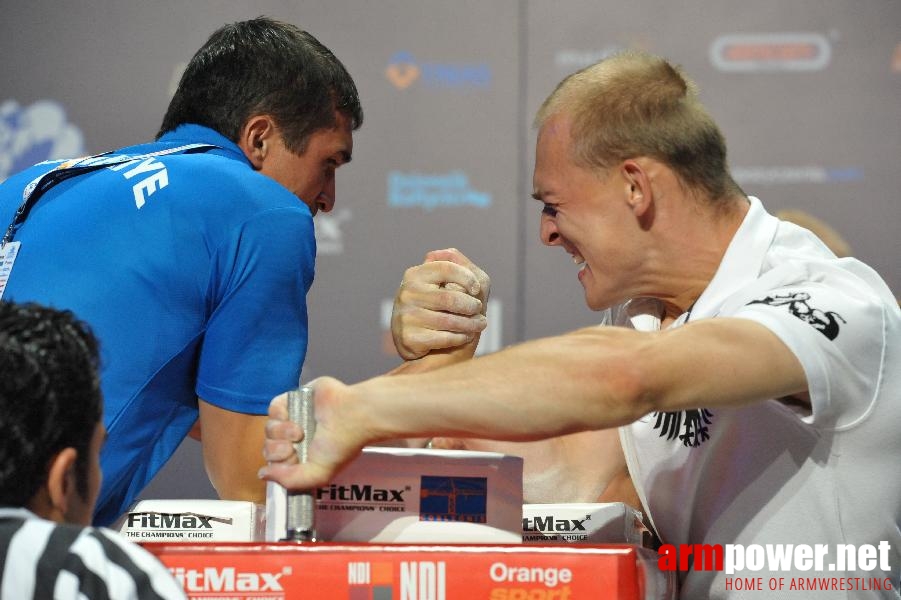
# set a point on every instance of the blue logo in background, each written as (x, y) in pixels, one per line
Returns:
(845, 174)
(403, 71)
(453, 499)
(786, 175)
(29, 135)
(431, 191)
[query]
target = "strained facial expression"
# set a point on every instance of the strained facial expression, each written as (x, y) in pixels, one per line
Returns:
(586, 212)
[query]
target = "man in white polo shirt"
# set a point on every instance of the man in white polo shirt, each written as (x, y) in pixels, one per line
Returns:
(755, 380)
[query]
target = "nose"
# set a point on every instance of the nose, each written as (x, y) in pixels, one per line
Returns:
(326, 199)
(547, 231)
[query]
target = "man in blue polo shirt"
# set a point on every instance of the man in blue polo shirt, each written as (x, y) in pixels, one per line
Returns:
(191, 256)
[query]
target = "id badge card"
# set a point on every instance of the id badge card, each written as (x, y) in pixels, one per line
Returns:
(8, 255)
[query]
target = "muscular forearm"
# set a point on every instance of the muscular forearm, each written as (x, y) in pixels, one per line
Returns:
(590, 379)
(509, 395)
(232, 486)
(437, 359)
(232, 455)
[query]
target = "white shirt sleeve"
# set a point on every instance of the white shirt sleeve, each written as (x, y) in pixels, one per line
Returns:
(836, 329)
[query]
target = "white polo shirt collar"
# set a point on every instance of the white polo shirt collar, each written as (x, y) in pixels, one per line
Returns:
(741, 264)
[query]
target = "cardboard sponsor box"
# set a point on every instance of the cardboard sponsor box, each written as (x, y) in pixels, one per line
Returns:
(578, 523)
(388, 494)
(193, 521)
(325, 571)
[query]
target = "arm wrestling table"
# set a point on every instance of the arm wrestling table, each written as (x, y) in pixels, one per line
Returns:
(305, 568)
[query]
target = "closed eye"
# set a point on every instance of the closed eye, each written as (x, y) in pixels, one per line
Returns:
(549, 210)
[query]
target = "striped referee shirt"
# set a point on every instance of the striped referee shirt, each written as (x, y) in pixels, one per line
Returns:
(41, 559)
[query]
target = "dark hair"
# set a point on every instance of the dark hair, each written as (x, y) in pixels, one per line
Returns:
(49, 397)
(263, 66)
(636, 104)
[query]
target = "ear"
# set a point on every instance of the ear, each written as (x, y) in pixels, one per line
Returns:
(638, 193)
(255, 137)
(61, 483)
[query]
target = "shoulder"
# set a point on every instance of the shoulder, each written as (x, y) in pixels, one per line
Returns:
(17, 182)
(219, 173)
(223, 179)
(799, 271)
(837, 318)
(96, 560)
(150, 578)
(842, 299)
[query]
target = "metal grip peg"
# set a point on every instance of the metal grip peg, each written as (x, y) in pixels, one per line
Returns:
(301, 508)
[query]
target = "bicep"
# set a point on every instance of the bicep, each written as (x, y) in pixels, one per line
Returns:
(721, 362)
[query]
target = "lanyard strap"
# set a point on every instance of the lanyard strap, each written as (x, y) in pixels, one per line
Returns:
(79, 166)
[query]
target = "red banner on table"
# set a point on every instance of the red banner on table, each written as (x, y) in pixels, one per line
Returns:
(253, 571)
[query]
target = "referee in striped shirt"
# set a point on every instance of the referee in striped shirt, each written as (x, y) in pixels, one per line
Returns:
(51, 432)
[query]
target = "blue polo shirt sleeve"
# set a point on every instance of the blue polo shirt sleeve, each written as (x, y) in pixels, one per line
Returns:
(256, 337)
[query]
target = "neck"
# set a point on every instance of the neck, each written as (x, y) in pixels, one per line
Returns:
(42, 506)
(691, 245)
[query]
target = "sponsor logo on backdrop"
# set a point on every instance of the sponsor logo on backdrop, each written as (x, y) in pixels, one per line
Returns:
(770, 52)
(489, 342)
(404, 71)
(329, 236)
(743, 563)
(793, 175)
(573, 59)
(32, 134)
(434, 190)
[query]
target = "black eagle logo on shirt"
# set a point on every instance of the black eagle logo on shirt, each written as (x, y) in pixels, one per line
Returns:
(691, 427)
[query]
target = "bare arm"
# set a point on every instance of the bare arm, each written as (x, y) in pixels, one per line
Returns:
(590, 379)
(427, 317)
(231, 452)
(438, 316)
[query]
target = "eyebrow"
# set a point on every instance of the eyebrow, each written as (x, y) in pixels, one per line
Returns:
(538, 195)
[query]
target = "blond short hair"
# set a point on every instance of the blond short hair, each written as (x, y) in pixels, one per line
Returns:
(636, 104)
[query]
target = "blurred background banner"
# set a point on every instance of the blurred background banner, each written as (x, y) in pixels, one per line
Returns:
(807, 93)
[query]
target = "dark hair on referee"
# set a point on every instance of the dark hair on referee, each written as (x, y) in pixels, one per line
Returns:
(263, 66)
(50, 397)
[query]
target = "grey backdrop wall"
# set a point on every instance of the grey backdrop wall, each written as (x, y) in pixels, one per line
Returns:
(807, 92)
